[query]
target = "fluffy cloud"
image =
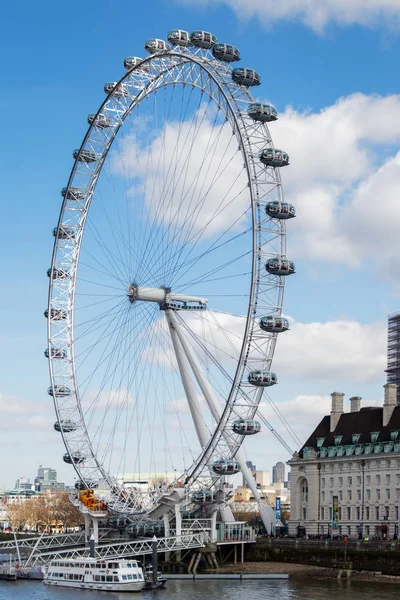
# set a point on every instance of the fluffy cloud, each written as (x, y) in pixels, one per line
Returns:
(340, 350)
(17, 414)
(191, 174)
(317, 14)
(344, 179)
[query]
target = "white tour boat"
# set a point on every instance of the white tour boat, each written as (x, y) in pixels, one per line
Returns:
(113, 575)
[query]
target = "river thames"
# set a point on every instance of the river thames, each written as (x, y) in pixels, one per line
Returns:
(295, 589)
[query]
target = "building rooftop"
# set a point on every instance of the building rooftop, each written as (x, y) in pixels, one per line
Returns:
(363, 422)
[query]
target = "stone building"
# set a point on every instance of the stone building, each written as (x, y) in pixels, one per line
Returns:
(345, 480)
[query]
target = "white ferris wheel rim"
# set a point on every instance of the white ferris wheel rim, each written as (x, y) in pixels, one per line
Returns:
(62, 294)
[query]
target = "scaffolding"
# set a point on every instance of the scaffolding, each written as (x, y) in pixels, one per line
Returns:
(393, 352)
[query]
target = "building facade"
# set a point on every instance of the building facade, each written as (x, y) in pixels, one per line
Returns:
(278, 473)
(345, 480)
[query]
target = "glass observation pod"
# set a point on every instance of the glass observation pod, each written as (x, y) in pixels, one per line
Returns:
(101, 121)
(280, 266)
(66, 426)
(75, 458)
(85, 485)
(85, 156)
(203, 496)
(134, 61)
(262, 112)
(72, 193)
(179, 37)
(226, 467)
(118, 522)
(280, 210)
(60, 391)
(154, 45)
(203, 39)
(247, 77)
(225, 52)
(56, 314)
(274, 324)
(262, 378)
(246, 427)
(272, 157)
(119, 92)
(58, 273)
(64, 233)
(55, 353)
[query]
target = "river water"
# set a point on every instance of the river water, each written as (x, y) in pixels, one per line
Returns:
(219, 590)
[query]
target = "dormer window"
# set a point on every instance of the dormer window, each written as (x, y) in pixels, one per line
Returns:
(374, 436)
(320, 442)
(307, 452)
(393, 435)
(338, 440)
(355, 437)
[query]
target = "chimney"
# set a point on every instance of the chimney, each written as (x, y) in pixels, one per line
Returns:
(355, 404)
(390, 402)
(337, 409)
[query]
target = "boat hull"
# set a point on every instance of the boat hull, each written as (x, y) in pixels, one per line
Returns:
(121, 586)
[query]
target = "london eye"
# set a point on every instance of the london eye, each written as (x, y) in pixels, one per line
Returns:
(167, 279)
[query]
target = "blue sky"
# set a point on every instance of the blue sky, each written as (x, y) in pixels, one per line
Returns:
(334, 82)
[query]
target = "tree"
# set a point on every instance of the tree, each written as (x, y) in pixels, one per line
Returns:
(48, 510)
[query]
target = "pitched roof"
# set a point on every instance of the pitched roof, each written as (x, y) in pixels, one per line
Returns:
(364, 422)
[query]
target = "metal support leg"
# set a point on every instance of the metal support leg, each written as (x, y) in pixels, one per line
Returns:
(190, 390)
(266, 512)
(166, 533)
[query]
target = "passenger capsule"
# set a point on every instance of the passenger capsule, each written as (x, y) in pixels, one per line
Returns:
(101, 121)
(272, 157)
(247, 77)
(56, 353)
(246, 427)
(262, 112)
(119, 91)
(60, 391)
(72, 193)
(56, 314)
(154, 45)
(64, 233)
(225, 52)
(226, 466)
(178, 37)
(118, 522)
(58, 273)
(262, 378)
(203, 39)
(280, 210)
(203, 497)
(85, 156)
(65, 425)
(86, 485)
(274, 324)
(75, 458)
(131, 62)
(280, 266)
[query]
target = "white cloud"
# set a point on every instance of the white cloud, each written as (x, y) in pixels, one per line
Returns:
(191, 174)
(343, 179)
(335, 351)
(317, 14)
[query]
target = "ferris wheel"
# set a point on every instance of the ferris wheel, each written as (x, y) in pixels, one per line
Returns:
(167, 277)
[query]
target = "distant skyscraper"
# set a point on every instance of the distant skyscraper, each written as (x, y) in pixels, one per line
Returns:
(23, 484)
(278, 473)
(393, 352)
(46, 476)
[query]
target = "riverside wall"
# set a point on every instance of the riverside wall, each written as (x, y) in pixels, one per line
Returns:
(383, 557)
